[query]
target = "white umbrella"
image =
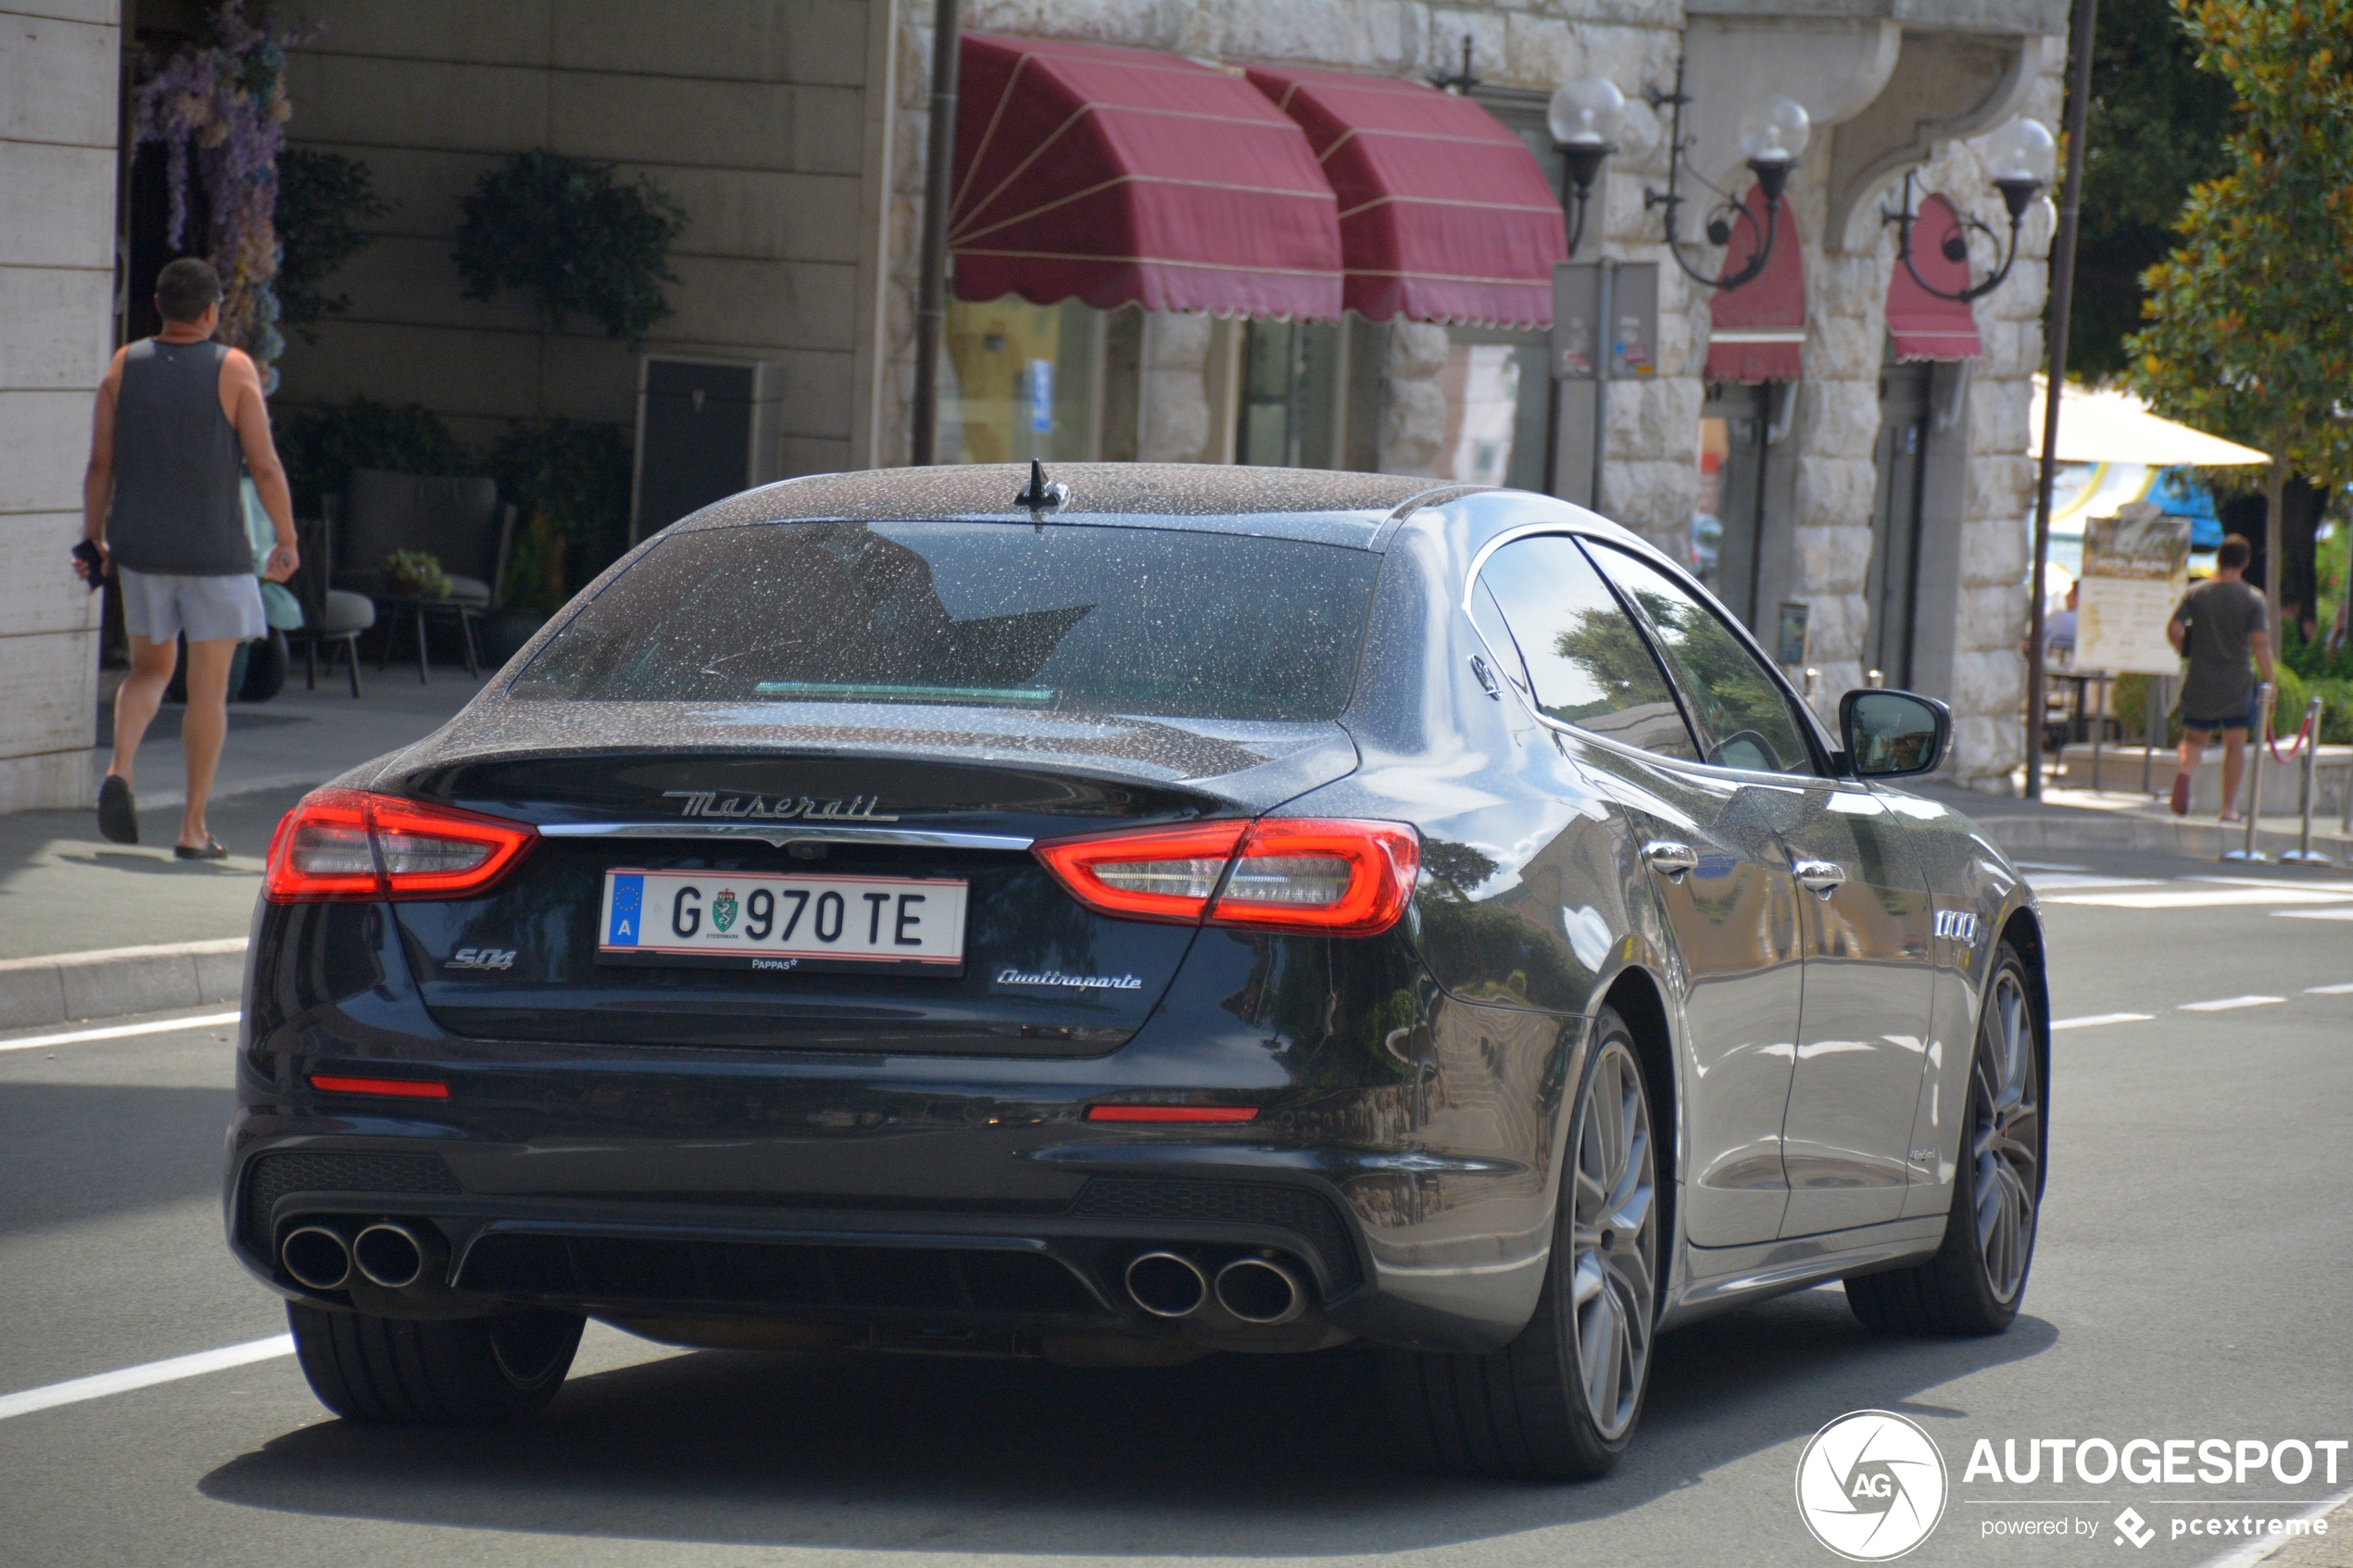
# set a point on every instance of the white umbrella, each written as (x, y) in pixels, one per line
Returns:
(2115, 427)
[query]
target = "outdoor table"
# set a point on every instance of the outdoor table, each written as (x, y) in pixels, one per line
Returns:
(393, 607)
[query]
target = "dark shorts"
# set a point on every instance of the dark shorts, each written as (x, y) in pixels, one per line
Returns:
(2242, 721)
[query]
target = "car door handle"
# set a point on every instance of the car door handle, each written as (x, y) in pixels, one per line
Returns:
(1822, 878)
(1670, 859)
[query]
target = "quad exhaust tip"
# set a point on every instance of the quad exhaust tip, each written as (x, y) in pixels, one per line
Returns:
(390, 1255)
(1260, 1291)
(1166, 1284)
(316, 1256)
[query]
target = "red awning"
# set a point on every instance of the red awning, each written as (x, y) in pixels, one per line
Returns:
(1121, 175)
(1443, 214)
(1758, 331)
(1925, 327)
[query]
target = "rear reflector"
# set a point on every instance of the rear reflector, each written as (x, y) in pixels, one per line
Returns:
(1172, 1112)
(397, 1088)
(342, 843)
(1295, 874)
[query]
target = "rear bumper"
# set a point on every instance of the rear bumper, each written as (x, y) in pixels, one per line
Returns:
(1404, 1170)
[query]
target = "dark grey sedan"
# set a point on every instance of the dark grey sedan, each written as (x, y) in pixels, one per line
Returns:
(1179, 911)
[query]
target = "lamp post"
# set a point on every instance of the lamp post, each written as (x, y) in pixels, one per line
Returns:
(1584, 117)
(2023, 160)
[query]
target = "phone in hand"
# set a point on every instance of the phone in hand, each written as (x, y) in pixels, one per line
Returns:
(90, 556)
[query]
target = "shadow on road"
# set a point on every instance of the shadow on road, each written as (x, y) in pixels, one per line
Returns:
(1268, 1456)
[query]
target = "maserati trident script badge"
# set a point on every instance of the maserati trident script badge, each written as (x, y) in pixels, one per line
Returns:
(784, 808)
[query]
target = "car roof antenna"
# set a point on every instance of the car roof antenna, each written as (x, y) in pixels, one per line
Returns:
(1043, 496)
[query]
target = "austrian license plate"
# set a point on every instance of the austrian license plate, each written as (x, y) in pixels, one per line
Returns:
(764, 921)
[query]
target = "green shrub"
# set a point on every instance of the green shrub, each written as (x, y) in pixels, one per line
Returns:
(578, 239)
(321, 446)
(573, 477)
(322, 200)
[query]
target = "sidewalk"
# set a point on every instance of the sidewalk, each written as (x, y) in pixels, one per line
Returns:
(2066, 819)
(138, 930)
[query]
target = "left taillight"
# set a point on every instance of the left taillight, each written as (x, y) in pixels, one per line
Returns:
(1333, 878)
(346, 844)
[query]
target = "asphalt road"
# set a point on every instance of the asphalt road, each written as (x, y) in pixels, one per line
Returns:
(2191, 1281)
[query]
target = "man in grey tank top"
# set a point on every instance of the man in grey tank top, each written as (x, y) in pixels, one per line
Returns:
(181, 421)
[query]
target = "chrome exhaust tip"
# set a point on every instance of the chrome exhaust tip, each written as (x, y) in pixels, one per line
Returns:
(1260, 1291)
(316, 1258)
(1166, 1284)
(390, 1255)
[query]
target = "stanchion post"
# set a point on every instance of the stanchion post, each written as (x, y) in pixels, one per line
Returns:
(2303, 854)
(2255, 773)
(2099, 726)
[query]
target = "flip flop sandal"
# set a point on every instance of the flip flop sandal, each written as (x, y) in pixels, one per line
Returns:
(117, 813)
(2181, 795)
(211, 849)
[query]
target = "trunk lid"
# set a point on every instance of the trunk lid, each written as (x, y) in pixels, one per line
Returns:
(737, 801)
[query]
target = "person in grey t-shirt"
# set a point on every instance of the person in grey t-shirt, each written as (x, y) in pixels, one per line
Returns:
(180, 420)
(2222, 621)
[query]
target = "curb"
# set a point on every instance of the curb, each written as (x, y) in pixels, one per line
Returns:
(2196, 841)
(62, 987)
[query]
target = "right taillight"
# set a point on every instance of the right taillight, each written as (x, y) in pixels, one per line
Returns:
(348, 844)
(1334, 878)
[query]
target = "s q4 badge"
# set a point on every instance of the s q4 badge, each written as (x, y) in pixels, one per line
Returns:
(482, 958)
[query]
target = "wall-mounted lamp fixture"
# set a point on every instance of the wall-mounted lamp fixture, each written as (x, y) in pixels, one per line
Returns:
(1773, 138)
(1584, 117)
(2022, 160)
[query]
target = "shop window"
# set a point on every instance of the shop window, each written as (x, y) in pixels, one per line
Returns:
(1498, 402)
(1292, 379)
(1019, 381)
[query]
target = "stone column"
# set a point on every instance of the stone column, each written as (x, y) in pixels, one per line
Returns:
(57, 160)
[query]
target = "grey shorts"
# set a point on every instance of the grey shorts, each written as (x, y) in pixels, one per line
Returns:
(159, 608)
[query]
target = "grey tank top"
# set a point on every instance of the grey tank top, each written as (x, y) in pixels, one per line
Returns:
(178, 510)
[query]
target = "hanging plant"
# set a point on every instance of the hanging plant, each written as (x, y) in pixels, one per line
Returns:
(577, 238)
(323, 200)
(220, 107)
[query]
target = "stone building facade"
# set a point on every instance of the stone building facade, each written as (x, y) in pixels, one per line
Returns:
(1895, 86)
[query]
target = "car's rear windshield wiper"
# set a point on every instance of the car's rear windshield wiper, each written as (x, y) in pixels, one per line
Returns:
(829, 691)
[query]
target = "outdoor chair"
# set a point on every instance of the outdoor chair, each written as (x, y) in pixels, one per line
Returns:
(457, 520)
(329, 614)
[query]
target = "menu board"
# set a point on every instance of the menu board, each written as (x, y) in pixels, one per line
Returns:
(2135, 570)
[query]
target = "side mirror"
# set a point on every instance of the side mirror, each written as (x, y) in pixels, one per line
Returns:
(1894, 734)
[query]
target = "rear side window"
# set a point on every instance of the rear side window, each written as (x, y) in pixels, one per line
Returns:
(1744, 721)
(1590, 664)
(1060, 619)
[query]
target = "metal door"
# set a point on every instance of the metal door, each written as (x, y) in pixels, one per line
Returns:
(1863, 1027)
(1902, 453)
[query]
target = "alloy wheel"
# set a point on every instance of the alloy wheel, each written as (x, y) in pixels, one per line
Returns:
(1613, 1239)
(2006, 1147)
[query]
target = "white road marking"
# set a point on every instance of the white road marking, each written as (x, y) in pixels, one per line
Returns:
(2224, 1004)
(102, 1384)
(121, 1031)
(2092, 1020)
(2046, 866)
(2329, 990)
(2202, 898)
(2313, 914)
(2068, 880)
(2299, 884)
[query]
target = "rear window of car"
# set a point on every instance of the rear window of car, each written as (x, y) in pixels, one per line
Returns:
(1059, 619)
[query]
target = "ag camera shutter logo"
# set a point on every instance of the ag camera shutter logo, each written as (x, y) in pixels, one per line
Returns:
(1871, 1486)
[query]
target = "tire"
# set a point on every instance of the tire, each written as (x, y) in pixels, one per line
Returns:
(464, 1371)
(1978, 1277)
(1528, 1410)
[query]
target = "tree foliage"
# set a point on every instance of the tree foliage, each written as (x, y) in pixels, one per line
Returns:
(2250, 331)
(2158, 125)
(323, 200)
(581, 241)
